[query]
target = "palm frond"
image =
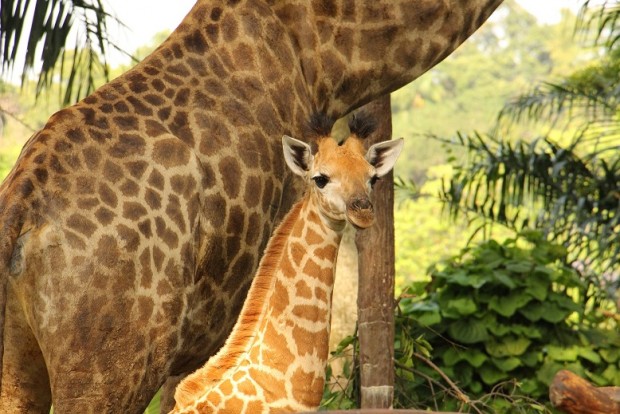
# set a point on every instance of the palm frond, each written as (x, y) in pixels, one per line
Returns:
(574, 199)
(598, 20)
(592, 93)
(46, 28)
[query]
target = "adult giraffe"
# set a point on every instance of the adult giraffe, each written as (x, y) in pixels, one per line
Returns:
(132, 222)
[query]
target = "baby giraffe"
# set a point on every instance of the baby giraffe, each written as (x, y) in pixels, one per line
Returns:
(274, 360)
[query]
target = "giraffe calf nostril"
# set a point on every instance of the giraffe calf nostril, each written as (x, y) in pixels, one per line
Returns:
(361, 204)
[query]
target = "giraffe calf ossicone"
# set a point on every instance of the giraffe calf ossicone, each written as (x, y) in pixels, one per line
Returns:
(274, 359)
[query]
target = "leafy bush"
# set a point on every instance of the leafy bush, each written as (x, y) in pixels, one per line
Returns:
(511, 311)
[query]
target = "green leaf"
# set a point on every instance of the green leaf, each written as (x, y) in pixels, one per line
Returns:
(531, 359)
(610, 355)
(468, 331)
(499, 329)
(519, 266)
(565, 302)
(508, 346)
(548, 370)
(475, 387)
(560, 353)
(531, 386)
(590, 355)
(491, 375)
(530, 331)
(538, 287)
(473, 356)
(426, 313)
(475, 280)
(504, 278)
(597, 379)
(508, 305)
(461, 307)
(612, 374)
(547, 311)
(506, 364)
(343, 344)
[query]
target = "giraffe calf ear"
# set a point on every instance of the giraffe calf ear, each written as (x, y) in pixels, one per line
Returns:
(297, 154)
(383, 155)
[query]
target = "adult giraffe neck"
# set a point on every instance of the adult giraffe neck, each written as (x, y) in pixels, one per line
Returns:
(279, 345)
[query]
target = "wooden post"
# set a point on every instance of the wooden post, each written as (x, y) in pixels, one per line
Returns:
(375, 301)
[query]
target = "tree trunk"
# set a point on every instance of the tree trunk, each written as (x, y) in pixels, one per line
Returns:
(574, 395)
(375, 299)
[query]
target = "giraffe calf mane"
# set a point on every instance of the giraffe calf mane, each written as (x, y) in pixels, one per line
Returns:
(241, 339)
(362, 124)
(319, 126)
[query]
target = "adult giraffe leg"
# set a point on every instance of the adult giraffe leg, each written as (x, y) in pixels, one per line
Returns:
(25, 382)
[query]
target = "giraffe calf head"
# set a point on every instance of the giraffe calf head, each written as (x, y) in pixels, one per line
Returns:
(341, 177)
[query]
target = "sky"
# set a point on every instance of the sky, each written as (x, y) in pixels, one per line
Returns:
(145, 18)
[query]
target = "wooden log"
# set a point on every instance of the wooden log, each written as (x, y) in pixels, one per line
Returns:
(572, 394)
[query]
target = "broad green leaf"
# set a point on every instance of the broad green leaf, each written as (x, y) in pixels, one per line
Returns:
(597, 379)
(428, 318)
(499, 329)
(549, 311)
(508, 346)
(530, 331)
(473, 356)
(426, 313)
(508, 305)
(475, 387)
(468, 331)
(531, 359)
(474, 280)
(612, 374)
(565, 302)
(502, 277)
(549, 368)
(538, 287)
(461, 307)
(491, 375)
(530, 386)
(566, 354)
(610, 355)
(519, 266)
(506, 364)
(589, 354)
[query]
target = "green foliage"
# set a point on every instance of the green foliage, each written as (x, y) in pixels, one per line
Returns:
(341, 389)
(498, 312)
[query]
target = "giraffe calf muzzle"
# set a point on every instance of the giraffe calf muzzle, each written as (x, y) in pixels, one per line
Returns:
(360, 213)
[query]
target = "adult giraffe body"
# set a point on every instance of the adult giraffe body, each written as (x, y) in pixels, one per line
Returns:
(132, 222)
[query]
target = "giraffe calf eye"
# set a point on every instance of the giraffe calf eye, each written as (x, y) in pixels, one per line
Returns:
(321, 180)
